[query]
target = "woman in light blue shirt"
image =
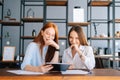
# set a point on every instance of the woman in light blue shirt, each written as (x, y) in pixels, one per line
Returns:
(44, 48)
(79, 54)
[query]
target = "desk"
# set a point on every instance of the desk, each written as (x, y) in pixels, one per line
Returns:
(106, 57)
(103, 56)
(99, 58)
(97, 74)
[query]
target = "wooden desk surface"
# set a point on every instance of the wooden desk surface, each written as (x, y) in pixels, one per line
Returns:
(97, 74)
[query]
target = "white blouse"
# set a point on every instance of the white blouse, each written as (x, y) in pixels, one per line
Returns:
(87, 51)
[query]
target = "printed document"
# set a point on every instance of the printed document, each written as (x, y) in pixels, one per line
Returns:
(23, 72)
(75, 72)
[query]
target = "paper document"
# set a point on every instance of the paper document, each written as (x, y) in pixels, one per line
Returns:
(75, 72)
(22, 72)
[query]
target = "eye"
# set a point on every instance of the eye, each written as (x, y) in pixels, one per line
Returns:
(47, 33)
(70, 37)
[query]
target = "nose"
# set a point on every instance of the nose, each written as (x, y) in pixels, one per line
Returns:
(73, 41)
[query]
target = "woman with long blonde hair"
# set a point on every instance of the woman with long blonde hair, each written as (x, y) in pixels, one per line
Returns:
(79, 54)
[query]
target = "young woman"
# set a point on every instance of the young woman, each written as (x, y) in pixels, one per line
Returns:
(78, 54)
(44, 48)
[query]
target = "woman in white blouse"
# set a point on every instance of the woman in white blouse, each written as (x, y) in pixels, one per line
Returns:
(78, 54)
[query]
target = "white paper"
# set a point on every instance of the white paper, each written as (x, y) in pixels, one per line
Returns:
(75, 72)
(22, 72)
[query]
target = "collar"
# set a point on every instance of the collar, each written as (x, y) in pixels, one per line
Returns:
(81, 47)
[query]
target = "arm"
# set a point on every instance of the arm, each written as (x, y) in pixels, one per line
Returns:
(56, 55)
(28, 55)
(32, 68)
(89, 59)
(86, 56)
(42, 68)
(81, 55)
(32, 60)
(75, 48)
(27, 63)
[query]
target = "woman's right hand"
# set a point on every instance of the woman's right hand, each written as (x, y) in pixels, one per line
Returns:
(74, 47)
(45, 68)
(52, 43)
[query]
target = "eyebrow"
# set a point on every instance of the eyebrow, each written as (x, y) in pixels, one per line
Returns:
(49, 32)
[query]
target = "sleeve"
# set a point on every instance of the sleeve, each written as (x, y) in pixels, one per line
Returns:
(89, 58)
(28, 55)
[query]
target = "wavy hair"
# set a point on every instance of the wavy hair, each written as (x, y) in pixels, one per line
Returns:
(39, 39)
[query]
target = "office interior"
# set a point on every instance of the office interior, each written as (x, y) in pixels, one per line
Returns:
(100, 24)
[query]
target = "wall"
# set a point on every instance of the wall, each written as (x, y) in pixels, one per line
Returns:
(14, 6)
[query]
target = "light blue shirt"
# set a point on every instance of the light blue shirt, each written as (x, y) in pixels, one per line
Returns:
(33, 56)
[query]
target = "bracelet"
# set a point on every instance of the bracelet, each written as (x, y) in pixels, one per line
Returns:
(57, 49)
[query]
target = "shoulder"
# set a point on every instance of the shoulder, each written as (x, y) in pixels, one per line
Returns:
(67, 49)
(88, 47)
(32, 45)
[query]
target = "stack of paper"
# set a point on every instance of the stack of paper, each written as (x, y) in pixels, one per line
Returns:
(22, 72)
(75, 72)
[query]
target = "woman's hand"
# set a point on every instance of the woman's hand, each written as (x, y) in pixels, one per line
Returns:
(52, 43)
(75, 47)
(45, 68)
(71, 66)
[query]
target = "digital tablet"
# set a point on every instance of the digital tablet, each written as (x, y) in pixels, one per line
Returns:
(59, 66)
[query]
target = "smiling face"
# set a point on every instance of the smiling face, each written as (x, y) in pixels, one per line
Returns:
(48, 34)
(73, 38)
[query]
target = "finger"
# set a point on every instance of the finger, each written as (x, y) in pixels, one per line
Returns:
(73, 46)
(46, 69)
(47, 66)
